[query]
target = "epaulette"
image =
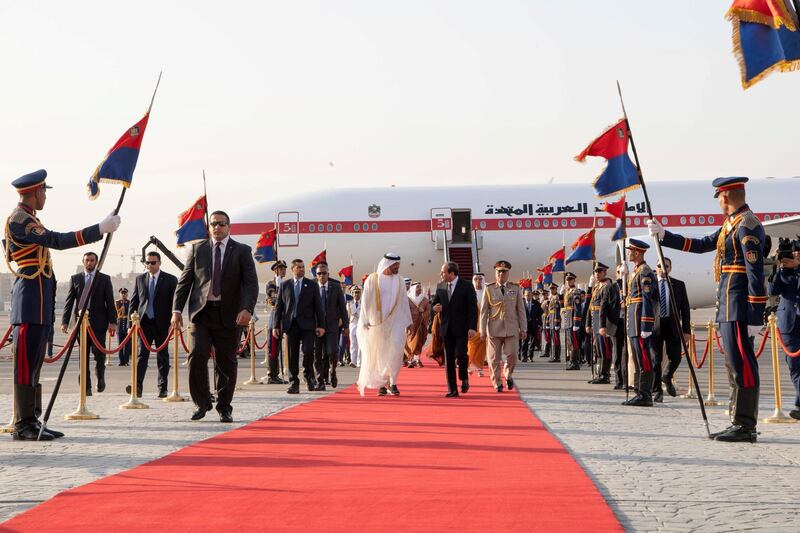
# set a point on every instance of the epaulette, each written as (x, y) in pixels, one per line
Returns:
(750, 220)
(646, 269)
(19, 216)
(491, 283)
(513, 284)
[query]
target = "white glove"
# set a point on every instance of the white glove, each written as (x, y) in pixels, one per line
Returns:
(656, 229)
(575, 328)
(646, 334)
(591, 282)
(110, 223)
(752, 331)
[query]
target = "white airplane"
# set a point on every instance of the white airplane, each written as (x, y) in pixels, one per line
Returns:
(478, 225)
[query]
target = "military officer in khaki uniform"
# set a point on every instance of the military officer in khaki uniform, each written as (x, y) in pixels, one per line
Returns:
(502, 323)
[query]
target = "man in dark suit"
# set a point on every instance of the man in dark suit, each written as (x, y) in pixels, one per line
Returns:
(326, 347)
(457, 304)
(299, 315)
(152, 300)
(102, 313)
(667, 334)
(220, 283)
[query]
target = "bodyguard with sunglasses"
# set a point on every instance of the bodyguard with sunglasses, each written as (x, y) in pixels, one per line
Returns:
(152, 299)
(219, 281)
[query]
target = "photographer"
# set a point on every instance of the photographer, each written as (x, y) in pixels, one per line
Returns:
(785, 282)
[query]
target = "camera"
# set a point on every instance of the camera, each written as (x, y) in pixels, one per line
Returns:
(785, 248)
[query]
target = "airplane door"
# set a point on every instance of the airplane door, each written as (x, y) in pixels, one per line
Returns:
(288, 229)
(462, 226)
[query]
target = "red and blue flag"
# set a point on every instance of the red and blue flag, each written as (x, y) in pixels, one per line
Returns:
(582, 248)
(540, 282)
(347, 275)
(320, 258)
(192, 224)
(120, 162)
(617, 210)
(265, 247)
(525, 283)
(620, 174)
(557, 260)
(546, 274)
(765, 38)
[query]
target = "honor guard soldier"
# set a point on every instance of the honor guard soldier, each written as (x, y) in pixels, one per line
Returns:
(568, 291)
(602, 320)
(545, 322)
(641, 303)
(785, 282)
(123, 306)
(577, 333)
(554, 324)
(27, 243)
(275, 347)
(741, 297)
(502, 323)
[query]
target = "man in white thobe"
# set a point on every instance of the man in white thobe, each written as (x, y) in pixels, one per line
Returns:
(382, 325)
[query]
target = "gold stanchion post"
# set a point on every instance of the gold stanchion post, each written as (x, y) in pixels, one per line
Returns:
(777, 417)
(692, 356)
(82, 413)
(711, 399)
(134, 402)
(251, 340)
(175, 396)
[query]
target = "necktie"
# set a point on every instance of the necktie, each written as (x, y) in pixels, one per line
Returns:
(151, 296)
(663, 300)
(216, 279)
(297, 288)
(449, 289)
(86, 286)
(503, 289)
(325, 297)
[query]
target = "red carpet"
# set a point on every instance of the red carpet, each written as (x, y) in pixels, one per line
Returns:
(418, 462)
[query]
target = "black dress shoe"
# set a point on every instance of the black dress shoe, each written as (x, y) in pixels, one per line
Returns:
(200, 413)
(138, 391)
(334, 380)
(294, 388)
(600, 381)
(498, 388)
(574, 367)
(630, 400)
(641, 401)
(275, 381)
(619, 386)
(162, 394)
(795, 413)
(394, 391)
(225, 418)
(101, 385)
(311, 385)
(451, 394)
(670, 386)
(53, 432)
(658, 397)
(31, 433)
(738, 434)
(383, 391)
(714, 435)
(510, 383)
(320, 386)
(88, 392)
(464, 387)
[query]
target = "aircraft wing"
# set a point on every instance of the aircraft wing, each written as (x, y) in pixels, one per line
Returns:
(788, 227)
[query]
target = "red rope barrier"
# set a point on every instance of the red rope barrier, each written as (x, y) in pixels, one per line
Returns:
(70, 342)
(785, 349)
(719, 343)
(266, 341)
(102, 348)
(146, 344)
(763, 343)
(5, 337)
(183, 342)
(697, 365)
(244, 343)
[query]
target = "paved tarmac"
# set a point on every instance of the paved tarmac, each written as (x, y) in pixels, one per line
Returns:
(655, 466)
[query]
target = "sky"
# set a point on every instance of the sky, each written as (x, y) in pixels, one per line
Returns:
(274, 97)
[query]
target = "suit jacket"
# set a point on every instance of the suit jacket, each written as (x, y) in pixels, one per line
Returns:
(336, 309)
(102, 310)
(309, 315)
(460, 311)
(239, 281)
(162, 304)
(786, 284)
(682, 301)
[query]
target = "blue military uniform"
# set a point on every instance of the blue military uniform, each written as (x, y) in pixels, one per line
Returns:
(123, 311)
(641, 303)
(603, 305)
(553, 325)
(571, 349)
(741, 298)
(27, 244)
(786, 284)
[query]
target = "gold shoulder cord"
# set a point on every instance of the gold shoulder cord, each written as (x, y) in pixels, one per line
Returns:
(501, 305)
(42, 257)
(727, 228)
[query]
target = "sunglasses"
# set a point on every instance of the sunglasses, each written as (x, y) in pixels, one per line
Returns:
(322, 274)
(150, 262)
(217, 223)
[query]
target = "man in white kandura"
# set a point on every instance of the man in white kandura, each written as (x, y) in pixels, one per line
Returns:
(385, 318)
